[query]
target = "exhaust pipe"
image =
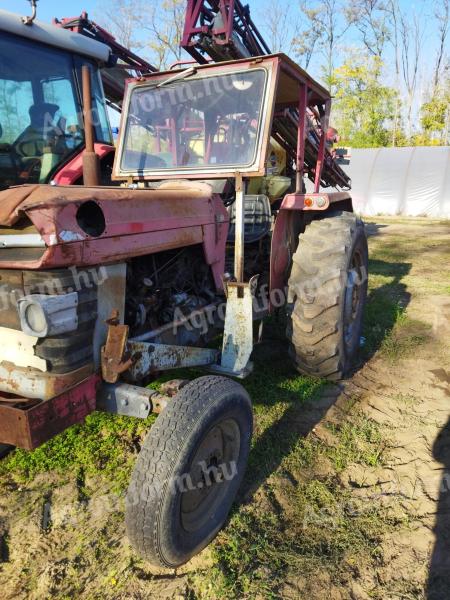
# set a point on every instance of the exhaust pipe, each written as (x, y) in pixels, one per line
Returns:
(91, 164)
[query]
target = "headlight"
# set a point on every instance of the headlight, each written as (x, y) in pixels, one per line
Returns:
(43, 316)
(34, 317)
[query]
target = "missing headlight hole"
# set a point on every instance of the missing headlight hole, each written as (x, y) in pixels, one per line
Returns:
(90, 219)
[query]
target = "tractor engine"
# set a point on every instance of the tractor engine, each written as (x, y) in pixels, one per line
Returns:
(164, 286)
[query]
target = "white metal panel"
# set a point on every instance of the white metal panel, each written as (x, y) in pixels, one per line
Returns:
(18, 348)
(54, 36)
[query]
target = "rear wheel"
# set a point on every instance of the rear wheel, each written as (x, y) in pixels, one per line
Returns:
(327, 294)
(189, 471)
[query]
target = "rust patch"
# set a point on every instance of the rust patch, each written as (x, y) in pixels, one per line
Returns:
(28, 424)
(114, 360)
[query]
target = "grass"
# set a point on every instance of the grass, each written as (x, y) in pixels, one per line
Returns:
(105, 444)
(359, 442)
(298, 527)
(295, 519)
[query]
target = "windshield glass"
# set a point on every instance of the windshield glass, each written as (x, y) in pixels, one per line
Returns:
(41, 122)
(201, 124)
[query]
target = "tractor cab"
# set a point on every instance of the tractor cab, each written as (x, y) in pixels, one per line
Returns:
(41, 118)
(211, 121)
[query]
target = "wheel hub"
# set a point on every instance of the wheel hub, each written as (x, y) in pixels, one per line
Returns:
(352, 300)
(208, 479)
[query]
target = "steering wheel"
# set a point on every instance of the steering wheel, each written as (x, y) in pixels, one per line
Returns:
(30, 148)
(155, 161)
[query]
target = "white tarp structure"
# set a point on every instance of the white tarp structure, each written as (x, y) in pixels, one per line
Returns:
(401, 181)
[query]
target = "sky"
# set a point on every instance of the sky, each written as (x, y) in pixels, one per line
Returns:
(51, 8)
(47, 9)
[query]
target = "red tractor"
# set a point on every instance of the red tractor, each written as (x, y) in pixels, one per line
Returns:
(208, 230)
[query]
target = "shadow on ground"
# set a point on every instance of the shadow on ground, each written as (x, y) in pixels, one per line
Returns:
(439, 575)
(384, 304)
(374, 229)
(304, 404)
(298, 404)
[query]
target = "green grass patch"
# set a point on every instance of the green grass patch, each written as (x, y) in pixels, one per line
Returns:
(405, 338)
(301, 522)
(358, 441)
(104, 445)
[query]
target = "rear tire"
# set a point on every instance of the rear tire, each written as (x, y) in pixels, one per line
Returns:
(189, 471)
(327, 294)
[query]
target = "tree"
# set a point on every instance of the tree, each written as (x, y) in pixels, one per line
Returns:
(154, 30)
(435, 112)
(325, 29)
(364, 107)
(308, 40)
(371, 19)
(281, 24)
(442, 16)
(411, 36)
(165, 25)
(121, 18)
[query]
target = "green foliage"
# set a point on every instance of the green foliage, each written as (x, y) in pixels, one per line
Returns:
(364, 107)
(435, 117)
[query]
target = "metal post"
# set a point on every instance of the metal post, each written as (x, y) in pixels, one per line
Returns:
(239, 227)
(300, 162)
(91, 166)
(321, 153)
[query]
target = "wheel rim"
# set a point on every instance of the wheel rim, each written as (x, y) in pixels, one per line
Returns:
(211, 472)
(353, 299)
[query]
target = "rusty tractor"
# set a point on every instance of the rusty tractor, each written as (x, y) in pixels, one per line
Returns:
(208, 229)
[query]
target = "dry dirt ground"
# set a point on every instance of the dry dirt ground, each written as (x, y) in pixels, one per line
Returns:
(348, 490)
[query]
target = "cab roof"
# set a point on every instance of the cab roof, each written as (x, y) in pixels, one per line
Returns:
(54, 36)
(291, 77)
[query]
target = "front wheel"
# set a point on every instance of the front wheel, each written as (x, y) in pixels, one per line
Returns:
(327, 294)
(189, 471)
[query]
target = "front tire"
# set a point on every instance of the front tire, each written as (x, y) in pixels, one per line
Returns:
(189, 471)
(327, 294)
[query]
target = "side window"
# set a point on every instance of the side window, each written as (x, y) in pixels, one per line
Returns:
(102, 127)
(15, 99)
(60, 93)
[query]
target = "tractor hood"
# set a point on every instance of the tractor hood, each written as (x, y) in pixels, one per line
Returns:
(51, 226)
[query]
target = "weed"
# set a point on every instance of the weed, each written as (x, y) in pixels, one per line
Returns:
(358, 441)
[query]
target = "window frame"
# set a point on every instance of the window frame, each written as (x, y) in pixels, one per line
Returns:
(254, 169)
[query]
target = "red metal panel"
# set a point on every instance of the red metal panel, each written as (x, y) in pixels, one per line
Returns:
(138, 222)
(72, 172)
(280, 257)
(300, 162)
(30, 427)
(321, 154)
